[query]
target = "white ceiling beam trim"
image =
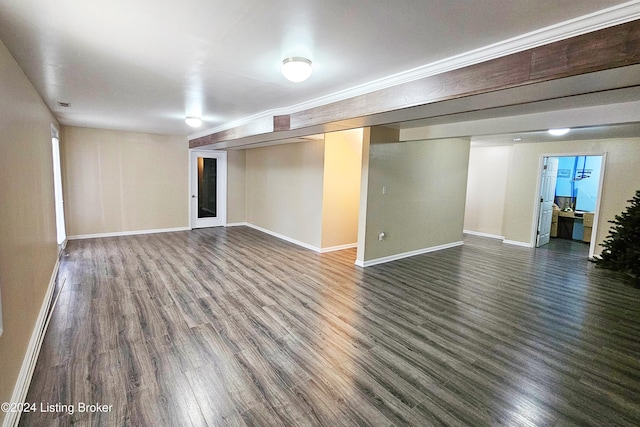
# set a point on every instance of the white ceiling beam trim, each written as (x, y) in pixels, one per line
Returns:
(602, 19)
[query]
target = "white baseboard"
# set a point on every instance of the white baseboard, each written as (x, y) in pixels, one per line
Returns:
(338, 248)
(237, 224)
(407, 254)
(516, 243)
(285, 238)
(21, 388)
(127, 233)
(478, 233)
(294, 241)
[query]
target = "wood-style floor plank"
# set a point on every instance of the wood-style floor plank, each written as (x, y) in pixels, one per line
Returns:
(232, 327)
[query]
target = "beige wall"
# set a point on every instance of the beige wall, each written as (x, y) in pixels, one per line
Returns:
(341, 188)
(284, 190)
(486, 189)
(426, 188)
(236, 186)
(28, 248)
(621, 180)
(123, 181)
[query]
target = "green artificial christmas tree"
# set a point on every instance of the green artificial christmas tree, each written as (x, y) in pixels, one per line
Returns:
(622, 246)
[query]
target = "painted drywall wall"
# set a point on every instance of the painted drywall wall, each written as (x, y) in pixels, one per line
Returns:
(621, 180)
(28, 249)
(486, 188)
(587, 182)
(566, 170)
(284, 190)
(341, 188)
(124, 181)
(579, 178)
(236, 186)
(425, 185)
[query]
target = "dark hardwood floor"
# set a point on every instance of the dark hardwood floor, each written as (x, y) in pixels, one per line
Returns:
(229, 326)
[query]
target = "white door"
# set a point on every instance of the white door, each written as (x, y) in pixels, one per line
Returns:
(547, 196)
(208, 188)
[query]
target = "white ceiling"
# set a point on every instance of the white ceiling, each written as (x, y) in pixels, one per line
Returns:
(626, 130)
(143, 65)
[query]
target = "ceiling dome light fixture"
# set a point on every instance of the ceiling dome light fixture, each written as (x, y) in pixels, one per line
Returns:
(559, 132)
(194, 122)
(296, 69)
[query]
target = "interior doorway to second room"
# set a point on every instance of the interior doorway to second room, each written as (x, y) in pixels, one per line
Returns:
(569, 199)
(208, 185)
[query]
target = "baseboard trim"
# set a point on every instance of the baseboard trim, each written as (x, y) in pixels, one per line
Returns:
(237, 224)
(294, 241)
(127, 233)
(407, 254)
(285, 238)
(33, 350)
(478, 233)
(338, 248)
(516, 243)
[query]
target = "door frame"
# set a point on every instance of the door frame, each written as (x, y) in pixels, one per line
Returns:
(544, 171)
(536, 210)
(221, 191)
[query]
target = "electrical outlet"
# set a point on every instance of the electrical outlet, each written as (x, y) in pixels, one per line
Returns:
(382, 236)
(384, 190)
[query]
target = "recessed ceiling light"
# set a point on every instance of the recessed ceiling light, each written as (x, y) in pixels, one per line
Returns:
(194, 122)
(516, 139)
(296, 69)
(559, 132)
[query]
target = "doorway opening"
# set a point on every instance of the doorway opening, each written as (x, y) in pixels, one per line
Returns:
(61, 231)
(569, 199)
(208, 186)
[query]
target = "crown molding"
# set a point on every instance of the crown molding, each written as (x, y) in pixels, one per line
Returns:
(616, 15)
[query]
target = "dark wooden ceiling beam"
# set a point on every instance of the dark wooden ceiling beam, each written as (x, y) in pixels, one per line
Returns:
(613, 47)
(259, 126)
(476, 79)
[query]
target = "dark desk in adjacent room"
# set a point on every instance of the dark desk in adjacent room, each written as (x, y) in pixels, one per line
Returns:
(575, 225)
(565, 225)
